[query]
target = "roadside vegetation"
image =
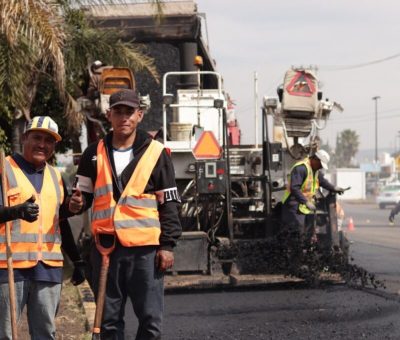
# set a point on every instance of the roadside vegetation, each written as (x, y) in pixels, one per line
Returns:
(45, 50)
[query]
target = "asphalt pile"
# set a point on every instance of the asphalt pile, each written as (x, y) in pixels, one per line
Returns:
(292, 254)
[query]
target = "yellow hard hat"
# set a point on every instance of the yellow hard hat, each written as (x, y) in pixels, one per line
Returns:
(45, 124)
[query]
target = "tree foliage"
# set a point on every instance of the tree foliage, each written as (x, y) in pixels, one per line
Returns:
(347, 144)
(45, 50)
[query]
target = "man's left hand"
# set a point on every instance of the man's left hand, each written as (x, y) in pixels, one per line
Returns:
(76, 202)
(78, 275)
(164, 259)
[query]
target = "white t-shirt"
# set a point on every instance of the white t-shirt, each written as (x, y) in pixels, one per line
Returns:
(122, 157)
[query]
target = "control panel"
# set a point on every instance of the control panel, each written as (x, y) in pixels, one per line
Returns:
(211, 176)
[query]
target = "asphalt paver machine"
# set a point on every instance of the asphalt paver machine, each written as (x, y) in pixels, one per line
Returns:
(230, 193)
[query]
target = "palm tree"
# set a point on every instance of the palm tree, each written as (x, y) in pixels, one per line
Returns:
(347, 144)
(51, 40)
(32, 37)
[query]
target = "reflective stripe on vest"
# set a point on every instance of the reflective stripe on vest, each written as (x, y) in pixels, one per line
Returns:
(308, 187)
(135, 217)
(41, 239)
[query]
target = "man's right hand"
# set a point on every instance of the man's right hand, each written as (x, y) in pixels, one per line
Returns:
(310, 206)
(76, 202)
(28, 211)
(339, 190)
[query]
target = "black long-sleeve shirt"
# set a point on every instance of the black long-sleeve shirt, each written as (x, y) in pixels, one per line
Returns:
(162, 180)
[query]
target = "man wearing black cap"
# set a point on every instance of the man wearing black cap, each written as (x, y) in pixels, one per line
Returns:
(37, 206)
(129, 179)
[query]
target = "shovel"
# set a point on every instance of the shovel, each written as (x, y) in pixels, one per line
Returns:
(8, 250)
(105, 263)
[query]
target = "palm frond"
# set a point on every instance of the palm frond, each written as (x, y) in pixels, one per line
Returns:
(46, 26)
(73, 114)
(39, 24)
(15, 72)
(88, 44)
(133, 55)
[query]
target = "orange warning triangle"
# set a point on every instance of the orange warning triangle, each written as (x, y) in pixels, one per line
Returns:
(207, 147)
(301, 85)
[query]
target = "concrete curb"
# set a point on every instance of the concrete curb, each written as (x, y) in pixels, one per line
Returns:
(88, 303)
(358, 201)
(267, 281)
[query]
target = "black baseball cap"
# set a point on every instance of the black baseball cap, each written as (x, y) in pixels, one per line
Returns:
(125, 97)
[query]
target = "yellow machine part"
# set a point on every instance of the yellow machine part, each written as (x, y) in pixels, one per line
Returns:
(115, 79)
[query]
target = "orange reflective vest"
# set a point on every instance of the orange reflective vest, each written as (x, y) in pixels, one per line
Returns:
(39, 240)
(134, 218)
(308, 188)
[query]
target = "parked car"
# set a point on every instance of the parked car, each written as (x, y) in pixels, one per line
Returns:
(389, 195)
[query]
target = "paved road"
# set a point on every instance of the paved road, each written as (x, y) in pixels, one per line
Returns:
(335, 313)
(376, 243)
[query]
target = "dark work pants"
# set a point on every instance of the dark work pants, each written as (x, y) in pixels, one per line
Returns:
(132, 274)
(291, 217)
(293, 220)
(298, 231)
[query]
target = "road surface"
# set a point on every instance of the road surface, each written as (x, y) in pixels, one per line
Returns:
(375, 242)
(336, 312)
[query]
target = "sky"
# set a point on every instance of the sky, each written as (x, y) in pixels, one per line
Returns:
(339, 37)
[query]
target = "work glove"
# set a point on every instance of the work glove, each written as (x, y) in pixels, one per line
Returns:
(339, 190)
(78, 275)
(28, 211)
(391, 218)
(310, 206)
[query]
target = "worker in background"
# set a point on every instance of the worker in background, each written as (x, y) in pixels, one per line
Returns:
(130, 179)
(37, 201)
(394, 212)
(95, 71)
(298, 199)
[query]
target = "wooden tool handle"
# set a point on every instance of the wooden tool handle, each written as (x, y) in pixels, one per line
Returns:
(105, 263)
(8, 250)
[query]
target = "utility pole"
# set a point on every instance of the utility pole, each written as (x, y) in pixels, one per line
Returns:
(256, 107)
(376, 127)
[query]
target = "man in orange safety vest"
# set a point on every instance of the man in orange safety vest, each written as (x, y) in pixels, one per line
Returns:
(129, 179)
(37, 201)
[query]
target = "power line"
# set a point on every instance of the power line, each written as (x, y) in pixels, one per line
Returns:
(368, 119)
(351, 67)
(345, 119)
(356, 117)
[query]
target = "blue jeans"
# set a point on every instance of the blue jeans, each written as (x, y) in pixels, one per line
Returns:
(132, 274)
(42, 300)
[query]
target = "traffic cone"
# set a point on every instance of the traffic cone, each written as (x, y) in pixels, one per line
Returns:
(350, 224)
